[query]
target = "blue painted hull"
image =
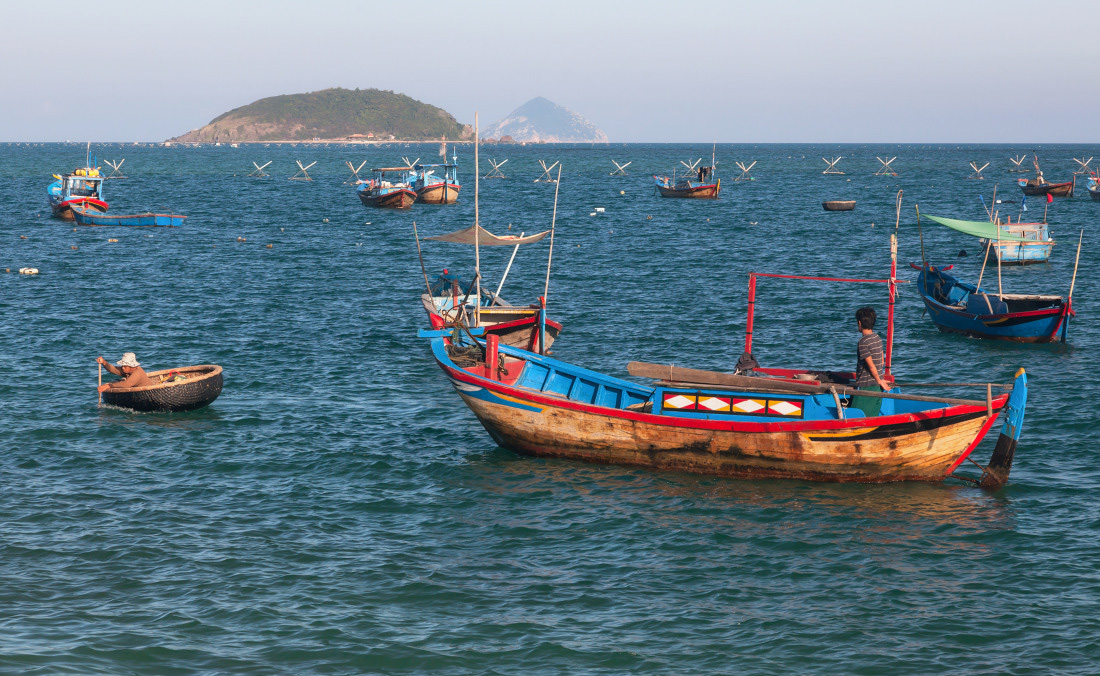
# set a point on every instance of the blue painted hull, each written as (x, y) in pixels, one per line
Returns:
(149, 220)
(958, 307)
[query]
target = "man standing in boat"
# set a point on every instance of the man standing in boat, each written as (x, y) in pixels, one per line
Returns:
(128, 369)
(869, 364)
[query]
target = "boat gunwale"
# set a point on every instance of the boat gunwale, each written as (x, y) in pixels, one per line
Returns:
(214, 369)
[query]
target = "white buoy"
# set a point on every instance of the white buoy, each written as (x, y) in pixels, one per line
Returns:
(28, 271)
(600, 210)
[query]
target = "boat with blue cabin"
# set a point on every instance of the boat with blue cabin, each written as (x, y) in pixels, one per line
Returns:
(1012, 243)
(82, 186)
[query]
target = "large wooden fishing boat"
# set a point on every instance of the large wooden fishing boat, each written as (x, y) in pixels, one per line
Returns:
(181, 389)
(1040, 186)
(87, 216)
(388, 194)
(754, 423)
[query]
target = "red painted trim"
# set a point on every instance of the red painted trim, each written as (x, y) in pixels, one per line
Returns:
(977, 440)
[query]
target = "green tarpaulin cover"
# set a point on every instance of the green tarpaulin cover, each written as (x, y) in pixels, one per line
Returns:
(976, 228)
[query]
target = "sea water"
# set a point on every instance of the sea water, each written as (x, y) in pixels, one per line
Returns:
(339, 510)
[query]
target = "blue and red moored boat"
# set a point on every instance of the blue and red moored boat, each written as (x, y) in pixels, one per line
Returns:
(82, 187)
(958, 307)
(385, 193)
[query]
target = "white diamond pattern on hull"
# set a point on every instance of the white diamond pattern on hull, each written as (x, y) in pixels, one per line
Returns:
(748, 406)
(713, 403)
(679, 401)
(784, 408)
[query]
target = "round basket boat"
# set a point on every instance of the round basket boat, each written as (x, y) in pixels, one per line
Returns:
(181, 389)
(839, 205)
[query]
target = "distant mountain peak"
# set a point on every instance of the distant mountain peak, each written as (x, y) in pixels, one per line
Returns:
(543, 121)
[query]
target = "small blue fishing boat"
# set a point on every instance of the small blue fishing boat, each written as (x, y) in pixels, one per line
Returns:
(81, 187)
(87, 216)
(395, 192)
(958, 307)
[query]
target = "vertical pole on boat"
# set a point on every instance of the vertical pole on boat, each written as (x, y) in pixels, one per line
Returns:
(1000, 289)
(542, 324)
(988, 246)
(752, 307)
(553, 221)
(500, 286)
(100, 384)
(920, 232)
(492, 347)
(892, 286)
(477, 229)
(420, 255)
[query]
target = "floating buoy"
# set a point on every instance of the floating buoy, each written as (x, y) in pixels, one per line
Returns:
(324, 220)
(622, 192)
(241, 239)
(592, 214)
(600, 210)
(280, 229)
(113, 241)
(73, 247)
(28, 271)
(752, 222)
(269, 246)
(22, 237)
(649, 218)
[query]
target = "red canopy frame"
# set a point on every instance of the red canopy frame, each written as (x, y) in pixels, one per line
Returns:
(891, 283)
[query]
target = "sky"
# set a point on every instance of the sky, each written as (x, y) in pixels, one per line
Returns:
(781, 71)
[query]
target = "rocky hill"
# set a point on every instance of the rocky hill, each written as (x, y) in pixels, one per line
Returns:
(331, 114)
(543, 121)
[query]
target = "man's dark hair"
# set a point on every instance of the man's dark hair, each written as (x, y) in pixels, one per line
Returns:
(866, 317)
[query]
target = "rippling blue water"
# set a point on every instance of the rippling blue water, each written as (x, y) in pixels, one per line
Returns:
(338, 509)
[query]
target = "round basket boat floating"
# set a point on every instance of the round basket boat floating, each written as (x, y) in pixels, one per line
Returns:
(181, 389)
(839, 205)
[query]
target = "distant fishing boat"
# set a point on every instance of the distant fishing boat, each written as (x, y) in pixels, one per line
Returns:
(1012, 243)
(839, 205)
(697, 183)
(82, 186)
(1040, 186)
(435, 189)
(380, 192)
(85, 216)
(772, 423)
(1094, 189)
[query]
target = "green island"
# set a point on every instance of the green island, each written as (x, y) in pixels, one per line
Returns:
(331, 115)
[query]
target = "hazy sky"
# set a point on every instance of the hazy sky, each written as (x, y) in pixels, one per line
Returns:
(735, 72)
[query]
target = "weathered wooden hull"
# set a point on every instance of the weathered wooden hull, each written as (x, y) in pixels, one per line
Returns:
(202, 387)
(838, 205)
(910, 447)
(92, 217)
(439, 193)
(696, 192)
(64, 209)
(1053, 189)
(1094, 193)
(395, 199)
